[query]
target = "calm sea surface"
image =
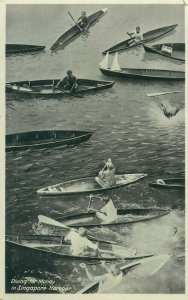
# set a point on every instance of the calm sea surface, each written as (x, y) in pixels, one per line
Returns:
(128, 126)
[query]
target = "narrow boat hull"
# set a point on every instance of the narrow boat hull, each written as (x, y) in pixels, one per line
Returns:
(21, 48)
(145, 74)
(75, 32)
(47, 88)
(56, 247)
(87, 185)
(125, 216)
(45, 139)
(178, 52)
(147, 37)
(174, 183)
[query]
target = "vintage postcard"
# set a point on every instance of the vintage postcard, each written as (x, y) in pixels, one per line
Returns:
(94, 128)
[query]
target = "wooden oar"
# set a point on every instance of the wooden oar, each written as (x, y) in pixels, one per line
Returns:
(91, 196)
(75, 21)
(132, 38)
(90, 199)
(49, 221)
(163, 93)
(8, 105)
(101, 241)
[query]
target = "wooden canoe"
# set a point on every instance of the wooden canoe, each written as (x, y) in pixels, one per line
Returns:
(47, 87)
(87, 185)
(178, 50)
(56, 246)
(145, 73)
(21, 48)
(45, 139)
(147, 37)
(173, 183)
(147, 266)
(125, 216)
(74, 32)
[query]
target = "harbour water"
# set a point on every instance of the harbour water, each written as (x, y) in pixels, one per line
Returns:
(129, 127)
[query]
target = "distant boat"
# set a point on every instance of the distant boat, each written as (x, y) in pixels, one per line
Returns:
(116, 71)
(21, 48)
(45, 139)
(172, 183)
(87, 185)
(74, 32)
(171, 50)
(47, 87)
(147, 37)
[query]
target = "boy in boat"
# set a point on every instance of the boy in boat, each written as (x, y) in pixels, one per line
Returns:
(108, 213)
(106, 176)
(83, 20)
(68, 84)
(107, 281)
(79, 241)
(137, 37)
(171, 112)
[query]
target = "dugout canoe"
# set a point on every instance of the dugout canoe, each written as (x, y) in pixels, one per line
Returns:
(147, 37)
(145, 267)
(21, 48)
(178, 50)
(117, 71)
(173, 183)
(47, 87)
(145, 73)
(125, 216)
(45, 139)
(74, 32)
(56, 246)
(87, 185)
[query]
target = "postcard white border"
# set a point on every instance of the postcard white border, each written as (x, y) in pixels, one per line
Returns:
(2, 156)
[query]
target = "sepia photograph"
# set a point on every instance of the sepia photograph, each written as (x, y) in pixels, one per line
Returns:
(94, 148)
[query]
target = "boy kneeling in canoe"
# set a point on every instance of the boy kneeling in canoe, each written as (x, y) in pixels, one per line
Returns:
(83, 20)
(79, 241)
(106, 176)
(107, 281)
(136, 37)
(68, 84)
(108, 213)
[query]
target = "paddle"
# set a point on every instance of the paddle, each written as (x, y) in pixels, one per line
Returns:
(99, 180)
(90, 199)
(75, 21)
(91, 196)
(9, 106)
(132, 38)
(163, 93)
(49, 221)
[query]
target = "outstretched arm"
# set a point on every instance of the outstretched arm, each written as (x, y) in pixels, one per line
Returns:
(57, 85)
(130, 33)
